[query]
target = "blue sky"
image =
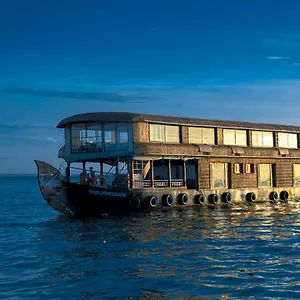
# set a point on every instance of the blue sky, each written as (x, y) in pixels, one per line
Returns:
(234, 59)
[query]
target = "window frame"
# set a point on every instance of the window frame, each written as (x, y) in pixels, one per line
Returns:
(165, 137)
(288, 134)
(270, 174)
(235, 137)
(294, 183)
(226, 179)
(262, 132)
(201, 128)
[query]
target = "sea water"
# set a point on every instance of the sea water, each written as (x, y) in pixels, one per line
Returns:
(242, 252)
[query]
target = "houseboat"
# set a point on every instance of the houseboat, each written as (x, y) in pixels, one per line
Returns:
(120, 161)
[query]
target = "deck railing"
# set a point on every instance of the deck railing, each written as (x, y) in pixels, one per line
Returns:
(190, 183)
(158, 183)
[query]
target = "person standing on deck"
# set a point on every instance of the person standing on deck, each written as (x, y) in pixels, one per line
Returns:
(92, 176)
(84, 177)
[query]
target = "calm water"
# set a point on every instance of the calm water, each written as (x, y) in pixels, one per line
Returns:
(234, 252)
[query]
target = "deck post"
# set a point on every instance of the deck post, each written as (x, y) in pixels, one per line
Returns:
(169, 173)
(152, 173)
(130, 165)
(83, 166)
(184, 173)
(117, 166)
(68, 172)
(101, 168)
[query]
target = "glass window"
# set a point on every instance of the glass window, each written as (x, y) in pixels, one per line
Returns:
(237, 168)
(292, 140)
(110, 133)
(241, 137)
(208, 135)
(157, 133)
(94, 136)
(267, 139)
(297, 174)
(201, 135)
(172, 134)
(164, 133)
(287, 140)
(257, 140)
(265, 175)
(262, 139)
(219, 175)
(122, 130)
(78, 137)
(229, 138)
(235, 137)
(249, 168)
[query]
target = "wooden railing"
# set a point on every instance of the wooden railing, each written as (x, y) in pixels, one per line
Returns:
(190, 183)
(158, 183)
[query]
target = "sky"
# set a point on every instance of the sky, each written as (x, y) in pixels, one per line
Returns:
(216, 59)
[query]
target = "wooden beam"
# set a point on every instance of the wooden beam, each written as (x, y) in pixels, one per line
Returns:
(152, 173)
(184, 173)
(169, 172)
(130, 171)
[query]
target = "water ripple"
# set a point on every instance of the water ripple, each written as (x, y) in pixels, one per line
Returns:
(249, 251)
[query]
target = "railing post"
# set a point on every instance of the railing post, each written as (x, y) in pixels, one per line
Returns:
(101, 168)
(152, 173)
(169, 173)
(117, 166)
(184, 173)
(68, 172)
(130, 165)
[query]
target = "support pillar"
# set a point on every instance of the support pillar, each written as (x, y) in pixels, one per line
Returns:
(169, 173)
(130, 171)
(184, 173)
(68, 172)
(152, 173)
(101, 168)
(117, 166)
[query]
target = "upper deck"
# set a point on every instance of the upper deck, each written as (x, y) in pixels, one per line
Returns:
(113, 134)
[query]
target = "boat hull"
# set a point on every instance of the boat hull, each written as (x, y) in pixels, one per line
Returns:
(92, 201)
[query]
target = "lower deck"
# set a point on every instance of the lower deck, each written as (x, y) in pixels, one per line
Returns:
(206, 173)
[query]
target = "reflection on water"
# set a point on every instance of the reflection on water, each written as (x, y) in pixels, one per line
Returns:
(232, 251)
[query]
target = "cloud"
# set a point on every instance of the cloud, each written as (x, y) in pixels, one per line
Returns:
(277, 57)
(21, 126)
(54, 140)
(78, 95)
(17, 133)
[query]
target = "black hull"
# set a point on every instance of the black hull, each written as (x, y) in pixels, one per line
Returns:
(91, 201)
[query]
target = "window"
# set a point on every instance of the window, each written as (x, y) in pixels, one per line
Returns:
(94, 135)
(122, 133)
(262, 139)
(265, 175)
(249, 168)
(235, 137)
(110, 133)
(88, 137)
(201, 135)
(287, 140)
(164, 133)
(79, 140)
(296, 174)
(219, 175)
(238, 168)
(172, 134)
